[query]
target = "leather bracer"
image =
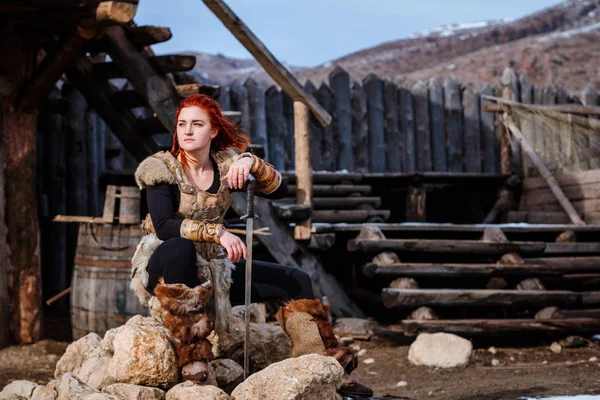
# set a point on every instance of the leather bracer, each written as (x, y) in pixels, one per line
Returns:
(267, 177)
(198, 231)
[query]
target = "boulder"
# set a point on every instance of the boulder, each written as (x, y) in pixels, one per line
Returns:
(404, 283)
(443, 350)
(354, 327)
(256, 314)
(191, 391)
(228, 373)
(549, 313)
(71, 388)
(531, 284)
(268, 343)
(423, 314)
(309, 377)
(18, 388)
(48, 392)
(126, 391)
(76, 355)
(574, 342)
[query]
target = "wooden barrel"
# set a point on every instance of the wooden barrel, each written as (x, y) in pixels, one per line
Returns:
(101, 298)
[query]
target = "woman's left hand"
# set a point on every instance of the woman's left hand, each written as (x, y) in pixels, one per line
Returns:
(238, 173)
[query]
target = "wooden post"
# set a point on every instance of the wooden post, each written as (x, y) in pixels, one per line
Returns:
(239, 102)
(224, 98)
(258, 119)
(5, 317)
(472, 131)
(526, 124)
(487, 133)
(556, 190)
(551, 144)
(438, 126)
(360, 128)
(288, 117)
(453, 106)
(316, 133)
(509, 148)
(339, 81)
(416, 197)
(422, 125)
(373, 86)
(91, 150)
(303, 167)
(328, 151)
(407, 115)
(393, 148)
(590, 98)
(275, 127)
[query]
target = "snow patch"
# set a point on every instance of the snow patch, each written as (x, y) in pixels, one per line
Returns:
(570, 33)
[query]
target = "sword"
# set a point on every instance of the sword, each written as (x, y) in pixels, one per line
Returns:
(249, 217)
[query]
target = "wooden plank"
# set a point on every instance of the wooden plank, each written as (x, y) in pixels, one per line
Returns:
(337, 216)
(510, 149)
(422, 127)
(164, 64)
(287, 251)
(446, 246)
(453, 106)
(567, 206)
(142, 36)
(564, 180)
(5, 267)
(373, 86)
(360, 128)
(212, 91)
(339, 81)
(416, 200)
(288, 116)
(116, 12)
(472, 130)
(551, 145)
(438, 126)
(91, 155)
(320, 203)
(316, 134)
(77, 195)
(499, 327)
(590, 191)
(573, 248)
(304, 191)
(335, 190)
(258, 119)
(577, 262)
(393, 148)
(407, 134)
(488, 142)
(224, 98)
(590, 98)
(408, 298)
(275, 127)
(274, 68)
(328, 151)
(538, 217)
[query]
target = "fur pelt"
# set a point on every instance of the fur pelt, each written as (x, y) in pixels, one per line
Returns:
(218, 270)
(139, 262)
(190, 352)
(317, 310)
(179, 299)
(154, 170)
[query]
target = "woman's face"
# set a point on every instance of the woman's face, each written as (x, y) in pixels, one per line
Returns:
(194, 131)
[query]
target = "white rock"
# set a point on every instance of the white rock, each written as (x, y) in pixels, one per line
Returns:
(444, 350)
(356, 327)
(555, 347)
(76, 354)
(191, 391)
(228, 374)
(593, 359)
(126, 391)
(48, 392)
(100, 396)
(369, 361)
(71, 388)
(346, 340)
(361, 352)
(495, 362)
(402, 384)
(492, 350)
(18, 388)
(309, 377)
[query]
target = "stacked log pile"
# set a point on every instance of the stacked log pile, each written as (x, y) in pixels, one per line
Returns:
(543, 281)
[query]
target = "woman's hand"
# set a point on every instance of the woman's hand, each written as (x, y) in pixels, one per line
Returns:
(238, 172)
(236, 249)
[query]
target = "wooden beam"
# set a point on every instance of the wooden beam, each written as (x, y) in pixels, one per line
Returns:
(481, 270)
(546, 174)
(164, 64)
(401, 298)
(562, 108)
(121, 121)
(50, 71)
(274, 68)
(340, 203)
(303, 167)
(142, 36)
(445, 246)
(498, 327)
(116, 12)
(334, 190)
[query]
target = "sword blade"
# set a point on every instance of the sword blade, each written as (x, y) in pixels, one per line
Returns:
(247, 299)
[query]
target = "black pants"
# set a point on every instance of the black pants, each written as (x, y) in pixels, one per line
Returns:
(175, 261)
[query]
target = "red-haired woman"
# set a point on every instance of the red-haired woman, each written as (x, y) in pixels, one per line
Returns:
(184, 267)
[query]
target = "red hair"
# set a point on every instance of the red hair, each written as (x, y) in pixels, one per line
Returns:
(228, 133)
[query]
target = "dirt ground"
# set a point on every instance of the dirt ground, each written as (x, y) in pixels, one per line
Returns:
(531, 372)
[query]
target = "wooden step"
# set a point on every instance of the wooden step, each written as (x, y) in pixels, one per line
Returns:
(458, 270)
(132, 99)
(445, 246)
(334, 190)
(573, 248)
(344, 203)
(337, 216)
(409, 298)
(162, 64)
(496, 327)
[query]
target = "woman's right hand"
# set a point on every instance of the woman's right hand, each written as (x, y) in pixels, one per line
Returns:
(236, 249)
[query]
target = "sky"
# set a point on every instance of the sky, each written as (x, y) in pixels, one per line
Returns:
(312, 32)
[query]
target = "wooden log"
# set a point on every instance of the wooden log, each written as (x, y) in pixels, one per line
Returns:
(321, 241)
(453, 106)
(590, 98)
(275, 127)
(344, 178)
(325, 97)
(164, 64)
(49, 71)
(573, 248)
(338, 216)
(288, 116)
(258, 119)
(335, 190)
(293, 212)
(510, 151)
(224, 98)
(401, 298)
(580, 263)
(416, 197)
(438, 126)
(77, 195)
(142, 36)
(327, 203)
(445, 246)
(422, 127)
(339, 82)
(5, 267)
(239, 102)
(316, 134)
(393, 148)
(560, 196)
(373, 86)
(303, 168)
(487, 133)
(460, 270)
(116, 12)
(360, 128)
(286, 250)
(528, 125)
(472, 125)
(499, 327)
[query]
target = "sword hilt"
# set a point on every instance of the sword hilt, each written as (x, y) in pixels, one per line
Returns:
(250, 187)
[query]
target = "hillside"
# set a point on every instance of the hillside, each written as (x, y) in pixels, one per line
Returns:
(555, 45)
